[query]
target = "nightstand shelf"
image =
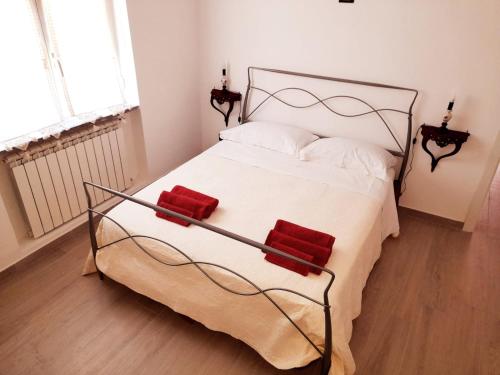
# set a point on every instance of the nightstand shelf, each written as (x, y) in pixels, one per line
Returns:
(224, 96)
(443, 137)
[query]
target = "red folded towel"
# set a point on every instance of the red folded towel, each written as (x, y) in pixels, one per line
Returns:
(196, 207)
(179, 210)
(320, 254)
(305, 234)
(290, 264)
(211, 203)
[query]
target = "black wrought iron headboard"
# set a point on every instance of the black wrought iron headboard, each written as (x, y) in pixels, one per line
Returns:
(404, 151)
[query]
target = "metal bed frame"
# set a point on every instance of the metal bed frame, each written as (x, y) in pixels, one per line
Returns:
(403, 153)
(325, 354)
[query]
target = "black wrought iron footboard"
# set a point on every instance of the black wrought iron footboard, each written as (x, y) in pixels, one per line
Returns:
(325, 353)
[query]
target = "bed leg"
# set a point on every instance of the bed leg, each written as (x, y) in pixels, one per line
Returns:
(326, 360)
(93, 240)
(325, 366)
(397, 191)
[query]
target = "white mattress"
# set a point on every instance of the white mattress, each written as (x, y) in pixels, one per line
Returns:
(255, 187)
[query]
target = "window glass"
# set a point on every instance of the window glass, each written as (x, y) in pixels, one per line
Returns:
(80, 37)
(27, 100)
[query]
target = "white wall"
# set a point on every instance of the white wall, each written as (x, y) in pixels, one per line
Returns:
(439, 47)
(165, 44)
(9, 243)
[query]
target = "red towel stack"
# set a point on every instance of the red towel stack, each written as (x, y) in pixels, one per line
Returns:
(179, 210)
(289, 263)
(186, 202)
(301, 242)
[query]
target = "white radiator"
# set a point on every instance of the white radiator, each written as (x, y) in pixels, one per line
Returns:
(50, 179)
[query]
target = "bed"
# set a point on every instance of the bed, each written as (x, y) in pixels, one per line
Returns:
(214, 271)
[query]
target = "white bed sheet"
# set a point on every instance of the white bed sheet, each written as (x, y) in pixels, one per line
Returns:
(340, 178)
(256, 187)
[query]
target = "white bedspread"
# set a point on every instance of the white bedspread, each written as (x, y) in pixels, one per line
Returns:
(255, 188)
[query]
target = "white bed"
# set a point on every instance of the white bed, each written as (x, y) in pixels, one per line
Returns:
(255, 188)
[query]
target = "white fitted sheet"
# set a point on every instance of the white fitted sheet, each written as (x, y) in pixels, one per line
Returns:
(255, 187)
(340, 178)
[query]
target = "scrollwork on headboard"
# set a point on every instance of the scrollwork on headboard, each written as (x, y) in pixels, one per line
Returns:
(325, 102)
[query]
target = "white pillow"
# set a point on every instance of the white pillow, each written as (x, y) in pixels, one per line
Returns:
(278, 137)
(351, 154)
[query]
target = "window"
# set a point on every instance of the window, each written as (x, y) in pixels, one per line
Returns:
(63, 62)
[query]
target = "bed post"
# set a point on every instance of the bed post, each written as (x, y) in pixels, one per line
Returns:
(399, 182)
(326, 360)
(93, 240)
(245, 101)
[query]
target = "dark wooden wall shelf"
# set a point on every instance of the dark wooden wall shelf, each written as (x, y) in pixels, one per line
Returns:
(222, 96)
(443, 137)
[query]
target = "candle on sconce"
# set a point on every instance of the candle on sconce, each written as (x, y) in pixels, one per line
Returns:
(451, 104)
(224, 78)
(449, 113)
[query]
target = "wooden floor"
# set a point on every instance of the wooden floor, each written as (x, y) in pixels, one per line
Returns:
(431, 306)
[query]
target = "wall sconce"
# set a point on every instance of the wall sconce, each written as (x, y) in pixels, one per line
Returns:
(443, 137)
(222, 96)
